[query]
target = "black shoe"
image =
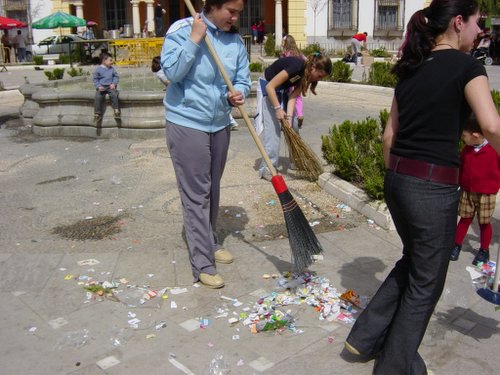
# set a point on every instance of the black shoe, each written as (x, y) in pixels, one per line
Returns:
(482, 256)
(455, 252)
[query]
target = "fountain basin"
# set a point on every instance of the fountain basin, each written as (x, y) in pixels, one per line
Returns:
(66, 108)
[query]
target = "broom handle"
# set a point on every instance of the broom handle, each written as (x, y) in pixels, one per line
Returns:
(230, 86)
(497, 272)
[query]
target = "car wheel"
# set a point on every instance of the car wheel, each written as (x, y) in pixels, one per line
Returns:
(488, 61)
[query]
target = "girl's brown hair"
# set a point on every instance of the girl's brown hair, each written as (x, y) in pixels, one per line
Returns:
(290, 46)
(320, 62)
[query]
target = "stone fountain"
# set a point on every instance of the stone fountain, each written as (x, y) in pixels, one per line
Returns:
(66, 107)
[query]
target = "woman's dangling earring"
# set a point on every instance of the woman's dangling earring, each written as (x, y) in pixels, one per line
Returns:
(459, 39)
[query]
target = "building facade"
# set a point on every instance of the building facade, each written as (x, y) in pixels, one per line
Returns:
(333, 21)
(309, 21)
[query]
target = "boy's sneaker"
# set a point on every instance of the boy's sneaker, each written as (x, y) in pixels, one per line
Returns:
(118, 114)
(97, 117)
(482, 256)
(455, 252)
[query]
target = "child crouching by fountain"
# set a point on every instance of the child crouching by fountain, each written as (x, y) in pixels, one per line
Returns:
(105, 82)
(156, 68)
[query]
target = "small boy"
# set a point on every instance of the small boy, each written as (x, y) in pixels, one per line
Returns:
(156, 68)
(480, 182)
(105, 82)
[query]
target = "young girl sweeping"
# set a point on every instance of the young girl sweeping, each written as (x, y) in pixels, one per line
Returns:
(289, 48)
(275, 104)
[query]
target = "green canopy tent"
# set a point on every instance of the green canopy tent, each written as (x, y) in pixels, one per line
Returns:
(58, 19)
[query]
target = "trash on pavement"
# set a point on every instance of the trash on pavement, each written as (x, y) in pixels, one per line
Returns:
(218, 366)
(120, 336)
(75, 339)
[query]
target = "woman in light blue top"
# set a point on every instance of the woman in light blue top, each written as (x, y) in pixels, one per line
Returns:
(198, 106)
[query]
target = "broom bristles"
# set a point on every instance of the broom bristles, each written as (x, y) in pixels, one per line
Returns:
(306, 161)
(303, 242)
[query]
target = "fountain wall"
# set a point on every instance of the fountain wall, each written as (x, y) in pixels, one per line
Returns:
(66, 108)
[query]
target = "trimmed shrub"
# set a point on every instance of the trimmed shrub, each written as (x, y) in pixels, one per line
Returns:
(256, 67)
(380, 74)
(379, 52)
(73, 72)
(64, 58)
(311, 48)
(57, 73)
(496, 98)
(354, 149)
(269, 46)
(341, 72)
(38, 60)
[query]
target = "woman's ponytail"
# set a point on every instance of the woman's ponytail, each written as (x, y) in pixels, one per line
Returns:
(320, 62)
(423, 28)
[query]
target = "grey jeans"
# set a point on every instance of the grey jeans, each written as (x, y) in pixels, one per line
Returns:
(100, 97)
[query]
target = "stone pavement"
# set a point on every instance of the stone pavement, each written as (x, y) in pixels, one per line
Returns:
(49, 326)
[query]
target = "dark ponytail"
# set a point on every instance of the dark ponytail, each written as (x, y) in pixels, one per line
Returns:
(423, 28)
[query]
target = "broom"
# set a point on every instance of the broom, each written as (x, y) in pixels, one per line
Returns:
(303, 241)
(301, 154)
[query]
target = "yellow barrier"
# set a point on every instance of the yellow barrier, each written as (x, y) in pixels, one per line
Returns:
(135, 51)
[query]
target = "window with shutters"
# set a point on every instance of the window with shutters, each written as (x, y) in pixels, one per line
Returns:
(389, 18)
(342, 17)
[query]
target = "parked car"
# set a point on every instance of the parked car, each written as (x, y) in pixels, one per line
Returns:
(55, 44)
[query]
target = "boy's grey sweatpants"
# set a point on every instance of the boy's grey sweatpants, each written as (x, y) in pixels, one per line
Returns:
(100, 97)
(199, 159)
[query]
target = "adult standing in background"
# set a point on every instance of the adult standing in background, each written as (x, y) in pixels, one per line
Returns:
(159, 12)
(260, 31)
(6, 45)
(20, 43)
(357, 41)
(430, 105)
(198, 106)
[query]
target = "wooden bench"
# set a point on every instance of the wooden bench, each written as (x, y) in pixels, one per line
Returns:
(51, 58)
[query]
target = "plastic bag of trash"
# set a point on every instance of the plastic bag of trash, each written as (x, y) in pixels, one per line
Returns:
(75, 339)
(134, 296)
(218, 366)
(120, 336)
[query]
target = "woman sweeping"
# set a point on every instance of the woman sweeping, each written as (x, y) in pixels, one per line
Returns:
(198, 107)
(276, 105)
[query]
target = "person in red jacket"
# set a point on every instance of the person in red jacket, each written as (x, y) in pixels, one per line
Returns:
(480, 181)
(357, 41)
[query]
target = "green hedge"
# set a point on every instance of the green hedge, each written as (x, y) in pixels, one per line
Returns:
(341, 72)
(270, 46)
(380, 74)
(256, 67)
(354, 149)
(57, 73)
